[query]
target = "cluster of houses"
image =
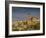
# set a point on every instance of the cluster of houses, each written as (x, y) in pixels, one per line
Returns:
(30, 21)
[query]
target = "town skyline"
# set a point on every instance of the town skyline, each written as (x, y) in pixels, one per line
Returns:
(20, 13)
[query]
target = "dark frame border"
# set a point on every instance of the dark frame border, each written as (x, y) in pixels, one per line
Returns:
(7, 18)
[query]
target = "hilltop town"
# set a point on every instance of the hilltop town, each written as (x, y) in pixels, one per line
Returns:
(31, 23)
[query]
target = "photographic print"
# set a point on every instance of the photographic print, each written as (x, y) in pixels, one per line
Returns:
(24, 19)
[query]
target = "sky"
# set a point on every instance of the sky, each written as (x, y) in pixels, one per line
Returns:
(19, 13)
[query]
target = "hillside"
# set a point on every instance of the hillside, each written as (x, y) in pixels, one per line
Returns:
(31, 23)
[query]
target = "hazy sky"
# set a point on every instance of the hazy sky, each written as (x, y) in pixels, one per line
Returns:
(19, 13)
